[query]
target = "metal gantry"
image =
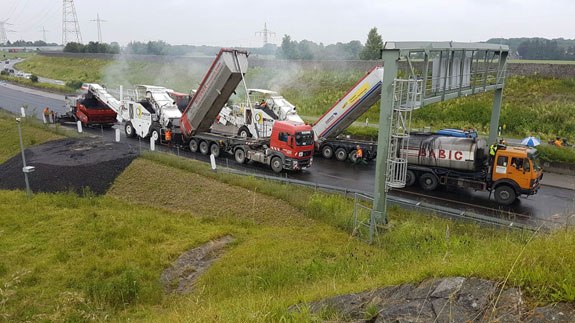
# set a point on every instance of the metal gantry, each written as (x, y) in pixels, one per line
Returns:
(421, 73)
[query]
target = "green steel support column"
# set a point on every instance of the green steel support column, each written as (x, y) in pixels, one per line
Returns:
(390, 62)
(497, 97)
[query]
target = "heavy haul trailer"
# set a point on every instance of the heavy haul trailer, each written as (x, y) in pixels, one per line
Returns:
(93, 107)
(327, 129)
(435, 160)
(290, 145)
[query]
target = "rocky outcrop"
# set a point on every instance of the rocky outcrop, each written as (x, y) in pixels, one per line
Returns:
(455, 299)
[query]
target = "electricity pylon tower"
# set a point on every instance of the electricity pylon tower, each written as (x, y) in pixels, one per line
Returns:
(44, 31)
(3, 32)
(70, 26)
(265, 33)
(98, 21)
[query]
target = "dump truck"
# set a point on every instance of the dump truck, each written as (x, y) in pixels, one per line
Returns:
(290, 145)
(435, 160)
(93, 107)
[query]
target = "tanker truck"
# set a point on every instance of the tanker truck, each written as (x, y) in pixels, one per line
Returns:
(435, 160)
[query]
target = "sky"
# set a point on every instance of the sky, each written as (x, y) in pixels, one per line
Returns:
(235, 23)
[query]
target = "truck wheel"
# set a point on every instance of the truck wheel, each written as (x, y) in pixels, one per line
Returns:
(244, 132)
(193, 145)
(341, 154)
(204, 147)
(276, 164)
(215, 150)
(353, 156)
(129, 130)
(410, 178)
(155, 135)
(428, 182)
(505, 195)
(327, 152)
(240, 156)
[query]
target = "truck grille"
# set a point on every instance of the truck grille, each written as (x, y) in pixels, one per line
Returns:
(306, 153)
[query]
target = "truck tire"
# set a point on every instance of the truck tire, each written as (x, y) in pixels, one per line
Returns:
(505, 194)
(276, 164)
(240, 156)
(244, 132)
(215, 150)
(410, 178)
(194, 145)
(155, 134)
(327, 152)
(341, 154)
(428, 181)
(129, 130)
(353, 156)
(204, 147)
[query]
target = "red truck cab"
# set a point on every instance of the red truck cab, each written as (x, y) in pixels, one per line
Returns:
(293, 141)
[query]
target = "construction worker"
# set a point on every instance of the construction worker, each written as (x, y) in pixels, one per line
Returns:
(359, 156)
(46, 115)
(558, 142)
(52, 120)
(492, 152)
(263, 104)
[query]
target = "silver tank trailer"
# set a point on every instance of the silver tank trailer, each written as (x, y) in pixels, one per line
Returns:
(464, 154)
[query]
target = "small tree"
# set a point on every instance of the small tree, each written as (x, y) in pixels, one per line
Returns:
(373, 45)
(34, 78)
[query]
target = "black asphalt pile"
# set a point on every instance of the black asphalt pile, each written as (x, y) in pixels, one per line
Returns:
(69, 165)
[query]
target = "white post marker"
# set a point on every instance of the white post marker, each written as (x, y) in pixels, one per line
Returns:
(44, 118)
(213, 161)
(23, 112)
(152, 144)
(79, 123)
(117, 135)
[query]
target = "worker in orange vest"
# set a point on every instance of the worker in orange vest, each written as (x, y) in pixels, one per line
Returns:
(46, 115)
(558, 142)
(169, 137)
(359, 156)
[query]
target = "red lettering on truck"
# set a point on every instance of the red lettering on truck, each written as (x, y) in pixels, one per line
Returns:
(442, 154)
(458, 155)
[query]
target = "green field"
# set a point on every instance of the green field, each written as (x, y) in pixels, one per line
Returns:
(532, 106)
(70, 258)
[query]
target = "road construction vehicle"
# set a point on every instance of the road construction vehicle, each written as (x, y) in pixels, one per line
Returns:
(459, 162)
(256, 117)
(91, 108)
(289, 146)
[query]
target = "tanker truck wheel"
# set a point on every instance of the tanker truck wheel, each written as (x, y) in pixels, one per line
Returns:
(276, 164)
(215, 150)
(240, 156)
(410, 178)
(428, 182)
(505, 195)
(204, 147)
(129, 130)
(327, 152)
(341, 154)
(193, 145)
(244, 132)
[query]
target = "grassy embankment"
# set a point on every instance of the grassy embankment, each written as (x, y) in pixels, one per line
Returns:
(71, 258)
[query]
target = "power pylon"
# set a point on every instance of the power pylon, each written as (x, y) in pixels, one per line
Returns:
(3, 31)
(98, 21)
(70, 26)
(44, 31)
(265, 33)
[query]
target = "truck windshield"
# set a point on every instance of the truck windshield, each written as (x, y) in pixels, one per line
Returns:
(303, 138)
(533, 156)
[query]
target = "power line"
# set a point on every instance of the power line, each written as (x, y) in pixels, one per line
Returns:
(98, 21)
(44, 31)
(70, 26)
(265, 33)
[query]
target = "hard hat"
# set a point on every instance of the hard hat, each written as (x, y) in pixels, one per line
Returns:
(504, 142)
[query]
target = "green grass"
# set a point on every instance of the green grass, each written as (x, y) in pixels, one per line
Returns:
(96, 257)
(33, 133)
(15, 55)
(557, 154)
(42, 86)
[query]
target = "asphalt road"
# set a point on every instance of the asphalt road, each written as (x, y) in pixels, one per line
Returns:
(550, 204)
(40, 79)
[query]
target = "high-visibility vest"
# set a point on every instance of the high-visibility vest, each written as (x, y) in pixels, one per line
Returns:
(46, 111)
(359, 153)
(168, 135)
(492, 150)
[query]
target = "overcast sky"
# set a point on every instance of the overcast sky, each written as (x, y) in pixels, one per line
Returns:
(234, 23)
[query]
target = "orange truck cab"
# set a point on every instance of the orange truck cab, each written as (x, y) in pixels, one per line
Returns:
(515, 171)
(293, 143)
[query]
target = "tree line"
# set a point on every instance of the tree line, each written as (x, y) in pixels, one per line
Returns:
(24, 43)
(92, 47)
(539, 48)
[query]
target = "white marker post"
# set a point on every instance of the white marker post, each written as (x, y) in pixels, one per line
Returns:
(213, 161)
(117, 135)
(152, 144)
(23, 112)
(79, 123)
(44, 119)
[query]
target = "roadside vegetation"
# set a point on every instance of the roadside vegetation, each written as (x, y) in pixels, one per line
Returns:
(556, 154)
(71, 258)
(35, 84)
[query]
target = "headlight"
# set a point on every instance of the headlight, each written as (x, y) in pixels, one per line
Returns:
(301, 154)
